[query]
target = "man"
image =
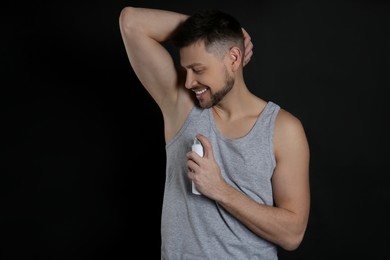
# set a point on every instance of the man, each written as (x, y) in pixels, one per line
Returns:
(254, 175)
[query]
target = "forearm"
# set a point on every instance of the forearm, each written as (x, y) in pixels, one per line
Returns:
(278, 225)
(154, 23)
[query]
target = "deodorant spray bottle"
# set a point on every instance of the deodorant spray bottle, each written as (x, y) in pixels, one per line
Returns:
(198, 148)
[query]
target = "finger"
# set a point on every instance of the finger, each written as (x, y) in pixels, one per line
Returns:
(249, 47)
(247, 37)
(247, 40)
(248, 57)
(193, 156)
(192, 165)
(207, 147)
(191, 174)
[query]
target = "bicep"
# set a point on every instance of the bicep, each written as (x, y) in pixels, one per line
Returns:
(291, 176)
(152, 64)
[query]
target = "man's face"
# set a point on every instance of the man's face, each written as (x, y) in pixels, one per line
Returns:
(207, 75)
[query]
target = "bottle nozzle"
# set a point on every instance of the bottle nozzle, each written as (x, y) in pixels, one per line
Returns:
(196, 141)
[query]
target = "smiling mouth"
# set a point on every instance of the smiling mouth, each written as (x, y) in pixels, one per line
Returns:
(199, 92)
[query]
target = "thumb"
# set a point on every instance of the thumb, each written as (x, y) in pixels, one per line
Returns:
(207, 147)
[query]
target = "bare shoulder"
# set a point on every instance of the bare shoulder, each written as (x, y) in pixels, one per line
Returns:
(289, 132)
(286, 121)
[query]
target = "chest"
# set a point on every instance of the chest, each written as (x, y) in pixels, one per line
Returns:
(234, 129)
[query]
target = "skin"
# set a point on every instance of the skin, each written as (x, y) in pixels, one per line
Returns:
(200, 78)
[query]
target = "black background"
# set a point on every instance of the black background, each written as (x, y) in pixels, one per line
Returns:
(82, 148)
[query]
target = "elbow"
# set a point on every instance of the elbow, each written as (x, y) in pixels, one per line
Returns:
(291, 242)
(127, 19)
(294, 234)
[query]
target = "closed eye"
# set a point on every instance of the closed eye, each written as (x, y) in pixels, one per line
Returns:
(197, 71)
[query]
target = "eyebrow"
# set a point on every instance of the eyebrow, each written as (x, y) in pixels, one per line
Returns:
(193, 65)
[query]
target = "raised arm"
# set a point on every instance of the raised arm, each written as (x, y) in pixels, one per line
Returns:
(143, 32)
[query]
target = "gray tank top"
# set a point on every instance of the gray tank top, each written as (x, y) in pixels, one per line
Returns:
(194, 227)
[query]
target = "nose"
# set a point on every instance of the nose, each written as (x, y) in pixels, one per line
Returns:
(190, 80)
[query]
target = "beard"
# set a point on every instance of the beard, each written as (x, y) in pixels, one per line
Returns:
(218, 96)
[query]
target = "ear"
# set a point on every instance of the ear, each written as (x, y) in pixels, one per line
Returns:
(235, 58)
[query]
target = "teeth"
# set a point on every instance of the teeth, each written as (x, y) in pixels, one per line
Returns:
(200, 91)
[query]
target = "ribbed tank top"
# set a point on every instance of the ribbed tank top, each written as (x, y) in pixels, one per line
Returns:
(197, 228)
